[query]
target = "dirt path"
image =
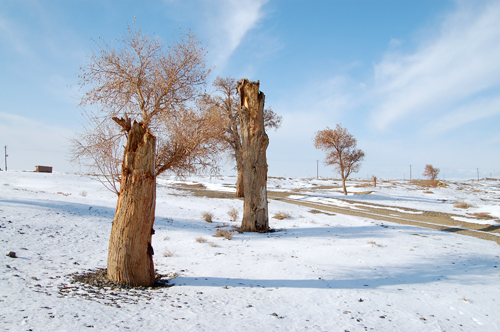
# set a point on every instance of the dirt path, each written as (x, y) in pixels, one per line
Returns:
(435, 220)
(428, 219)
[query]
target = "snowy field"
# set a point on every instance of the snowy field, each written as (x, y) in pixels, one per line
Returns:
(318, 273)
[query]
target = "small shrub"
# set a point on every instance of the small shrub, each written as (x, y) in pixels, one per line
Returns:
(207, 216)
(211, 244)
(282, 215)
(168, 253)
(233, 214)
(462, 205)
(201, 239)
(83, 193)
(166, 238)
(224, 233)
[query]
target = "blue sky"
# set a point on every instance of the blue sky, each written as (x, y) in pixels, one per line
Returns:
(416, 82)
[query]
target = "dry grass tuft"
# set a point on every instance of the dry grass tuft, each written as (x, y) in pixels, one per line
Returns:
(462, 205)
(363, 185)
(233, 214)
(282, 215)
(83, 193)
(168, 253)
(374, 243)
(211, 244)
(207, 216)
(224, 233)
(201, 239)
(428, 192)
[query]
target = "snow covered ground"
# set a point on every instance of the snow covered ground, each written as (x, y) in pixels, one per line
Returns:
(320, 272)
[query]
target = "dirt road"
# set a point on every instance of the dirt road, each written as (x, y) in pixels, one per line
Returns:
(428, 219)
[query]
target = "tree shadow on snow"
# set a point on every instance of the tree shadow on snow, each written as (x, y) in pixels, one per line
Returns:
(65, 207)
(462, 272)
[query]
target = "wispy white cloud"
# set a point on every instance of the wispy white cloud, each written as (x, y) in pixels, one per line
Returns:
(231, 22)
(471, 112)
(446, 71)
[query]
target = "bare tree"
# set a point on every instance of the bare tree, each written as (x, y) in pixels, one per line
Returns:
(431, 172)
(146, 88)
(226, 99)
(99, 148)
(341, 151)
(254, 145)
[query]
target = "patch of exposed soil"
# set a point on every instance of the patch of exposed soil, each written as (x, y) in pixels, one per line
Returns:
(428, 219)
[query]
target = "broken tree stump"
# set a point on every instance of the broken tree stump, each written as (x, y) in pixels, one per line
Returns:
(130, 254)
(254, 145)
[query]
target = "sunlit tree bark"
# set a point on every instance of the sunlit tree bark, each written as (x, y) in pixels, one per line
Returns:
(254, 145)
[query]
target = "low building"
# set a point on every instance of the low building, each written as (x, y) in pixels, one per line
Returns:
(43, 169)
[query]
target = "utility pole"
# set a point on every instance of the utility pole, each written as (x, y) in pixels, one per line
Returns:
(6, 155)
(317, 169)
(410, 173)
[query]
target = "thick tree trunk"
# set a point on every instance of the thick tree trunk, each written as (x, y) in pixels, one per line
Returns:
(130, 254)
(236, 145)
(240, 187)
(254, 145)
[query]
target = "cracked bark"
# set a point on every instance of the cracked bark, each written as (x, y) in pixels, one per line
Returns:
(130, 253)
(254, 145)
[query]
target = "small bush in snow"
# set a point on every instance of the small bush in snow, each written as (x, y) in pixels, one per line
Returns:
(211, 244)
(201, 239)
(462, 205)
(83, 194)
(233, 214)
(224, 233)
(168, 253)
(282, 215)
(207, 216)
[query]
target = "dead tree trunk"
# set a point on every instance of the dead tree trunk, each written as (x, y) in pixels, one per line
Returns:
(130, 254)
(240, 187)
(254, 145)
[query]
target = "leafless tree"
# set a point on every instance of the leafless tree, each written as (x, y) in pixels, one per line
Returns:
(226, 99)
(149, 91)
(341, 151)
(431, 172)
(99, 148)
